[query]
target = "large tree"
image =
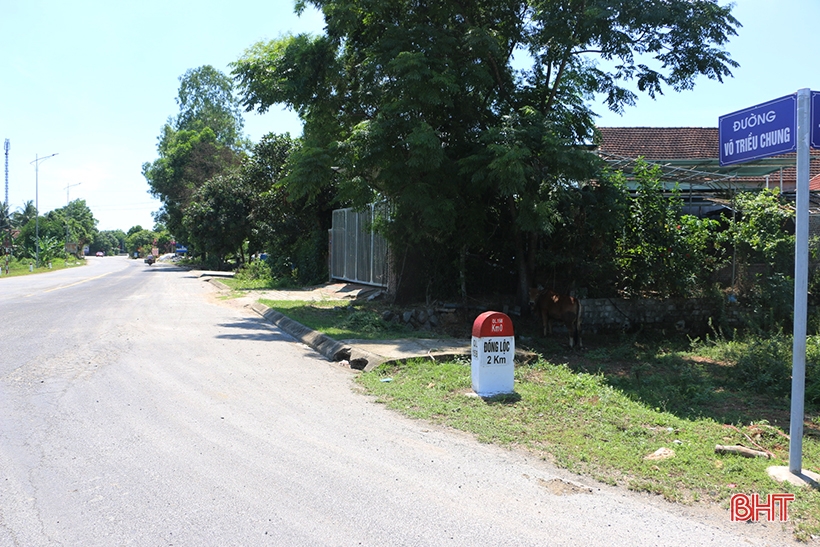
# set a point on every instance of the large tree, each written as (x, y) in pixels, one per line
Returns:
(82, 226)
(468, 117)
(187, 160)
(218, 217)
(202, 141)
(206, 99)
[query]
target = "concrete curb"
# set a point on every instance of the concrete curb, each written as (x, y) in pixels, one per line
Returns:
(324, 344)
(219, 284)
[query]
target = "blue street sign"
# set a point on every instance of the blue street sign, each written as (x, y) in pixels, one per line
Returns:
(760, 131)
(815, 119)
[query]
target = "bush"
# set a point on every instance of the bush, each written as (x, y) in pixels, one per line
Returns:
(660, 251)
(256, 270)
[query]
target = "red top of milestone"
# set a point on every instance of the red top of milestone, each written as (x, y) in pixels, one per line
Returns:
(492, 323)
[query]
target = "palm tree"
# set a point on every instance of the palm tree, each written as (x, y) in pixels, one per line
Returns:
(24, 214)
(5, 218)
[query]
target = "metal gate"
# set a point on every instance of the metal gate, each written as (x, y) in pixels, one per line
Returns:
(357, 254)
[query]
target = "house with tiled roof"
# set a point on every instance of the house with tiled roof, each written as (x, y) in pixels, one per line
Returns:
(689, 156)
(689, 159)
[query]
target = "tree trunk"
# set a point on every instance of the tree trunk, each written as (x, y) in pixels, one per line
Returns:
(462, 266)
(520, 260)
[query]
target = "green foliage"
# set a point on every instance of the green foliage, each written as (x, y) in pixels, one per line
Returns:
(763, 363)
(140, 242)
(50, 249)
(206, 99)
(218, 217)
(27, 239)
(82, 226)
(764, 250)
(661, 251)
(256, 270)
(187, 160)
(18, 266)
(24, 214)
(342, 319)
(424, 109)
(74, 223)
(202, 141)
(108, 242)
(762, 237)
(5, 217)
(290, 225)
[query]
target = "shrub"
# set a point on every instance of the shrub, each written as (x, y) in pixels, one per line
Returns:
(255, 270)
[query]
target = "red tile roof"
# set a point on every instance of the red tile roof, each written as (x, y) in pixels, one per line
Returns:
(687, 143)
(814, 184)
(660, 143)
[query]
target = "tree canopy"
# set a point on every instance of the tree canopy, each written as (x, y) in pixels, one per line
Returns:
(74, 223)
(218, 217)
(202, 141)
(471, 119)
(206, 99)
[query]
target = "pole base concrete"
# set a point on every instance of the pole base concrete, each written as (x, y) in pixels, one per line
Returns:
(781, 473)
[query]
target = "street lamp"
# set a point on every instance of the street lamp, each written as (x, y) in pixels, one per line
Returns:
(36, 163)
(67, 202)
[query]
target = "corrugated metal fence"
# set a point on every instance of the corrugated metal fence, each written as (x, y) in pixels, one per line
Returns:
(356, 253)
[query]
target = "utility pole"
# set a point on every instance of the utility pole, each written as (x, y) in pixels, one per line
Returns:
(6, 147)
(36, 162)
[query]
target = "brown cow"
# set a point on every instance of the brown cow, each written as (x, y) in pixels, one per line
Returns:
(558, 307)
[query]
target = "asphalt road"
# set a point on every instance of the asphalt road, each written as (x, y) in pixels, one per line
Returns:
(136, 409)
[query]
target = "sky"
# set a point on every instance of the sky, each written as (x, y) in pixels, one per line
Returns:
(94, 81)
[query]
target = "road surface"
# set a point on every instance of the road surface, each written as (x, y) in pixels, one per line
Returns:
(136, 409)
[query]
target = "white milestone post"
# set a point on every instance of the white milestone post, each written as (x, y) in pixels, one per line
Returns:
(801, 278)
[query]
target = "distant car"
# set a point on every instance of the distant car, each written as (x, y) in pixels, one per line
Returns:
(100, 253)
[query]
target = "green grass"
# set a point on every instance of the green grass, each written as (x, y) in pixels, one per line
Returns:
(343, 319)
(256, 284)
(583, 423)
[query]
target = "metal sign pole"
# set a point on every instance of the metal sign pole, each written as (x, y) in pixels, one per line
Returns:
(801, 274)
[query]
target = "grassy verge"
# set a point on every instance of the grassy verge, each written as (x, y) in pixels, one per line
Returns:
(581, 422)
(21, 267)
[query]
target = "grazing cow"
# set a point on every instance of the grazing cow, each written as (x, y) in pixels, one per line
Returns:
(558, 307)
